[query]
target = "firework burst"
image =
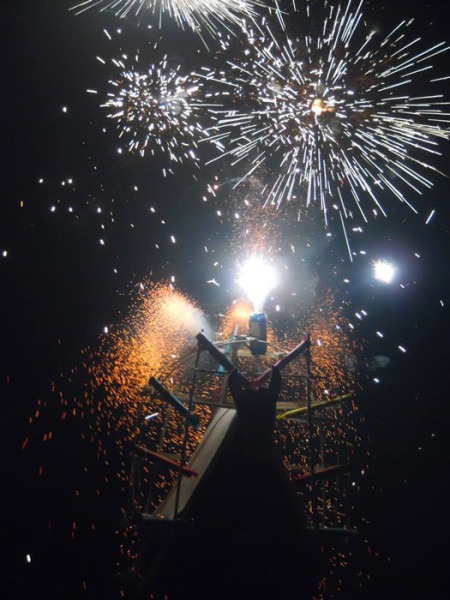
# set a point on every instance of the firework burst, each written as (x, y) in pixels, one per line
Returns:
(335, 115)
(157, 111)
(198, 15)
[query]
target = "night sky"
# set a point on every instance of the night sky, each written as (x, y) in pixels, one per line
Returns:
(61, 285)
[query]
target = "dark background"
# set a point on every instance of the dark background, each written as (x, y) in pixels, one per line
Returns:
(59, 290)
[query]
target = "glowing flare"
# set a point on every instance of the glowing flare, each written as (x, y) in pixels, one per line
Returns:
(257, 278)
(384, 271)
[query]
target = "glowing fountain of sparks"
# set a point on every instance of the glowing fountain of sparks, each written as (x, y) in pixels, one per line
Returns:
(198, 15)
(340, 116)
(156, 339)
(384, 271)
(257, 278)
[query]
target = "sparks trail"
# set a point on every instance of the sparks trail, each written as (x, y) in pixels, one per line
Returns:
(337, 116)
(199, 15)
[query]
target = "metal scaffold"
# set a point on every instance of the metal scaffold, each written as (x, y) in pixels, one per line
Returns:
(318, 469)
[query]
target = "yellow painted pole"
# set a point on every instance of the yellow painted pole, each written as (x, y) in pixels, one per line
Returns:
(303, 409)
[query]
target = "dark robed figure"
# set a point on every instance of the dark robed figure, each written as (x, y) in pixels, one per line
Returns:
(242, 532)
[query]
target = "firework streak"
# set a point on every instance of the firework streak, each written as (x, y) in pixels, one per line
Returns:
(335, 115)
(198, 15)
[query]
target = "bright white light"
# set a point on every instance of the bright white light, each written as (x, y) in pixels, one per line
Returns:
(257, 278)
(384, 271)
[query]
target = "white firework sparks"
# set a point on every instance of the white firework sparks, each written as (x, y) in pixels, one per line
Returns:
(335, 115)
(198, 15)
(157, 111)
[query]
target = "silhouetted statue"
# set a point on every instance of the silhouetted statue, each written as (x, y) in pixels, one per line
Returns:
(242, 532)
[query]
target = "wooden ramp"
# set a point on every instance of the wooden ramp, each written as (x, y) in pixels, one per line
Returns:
(203, 459)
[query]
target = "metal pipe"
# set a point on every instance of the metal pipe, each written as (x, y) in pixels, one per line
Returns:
(163, 459)
(194, 420)
(315, 406)
(219, 356)
(186, 436)
(323, 473)
(213, 404)
(211, 371)
(159, 446)
(322, 466)
(283, 362)
(134, 465)
(308, 406)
